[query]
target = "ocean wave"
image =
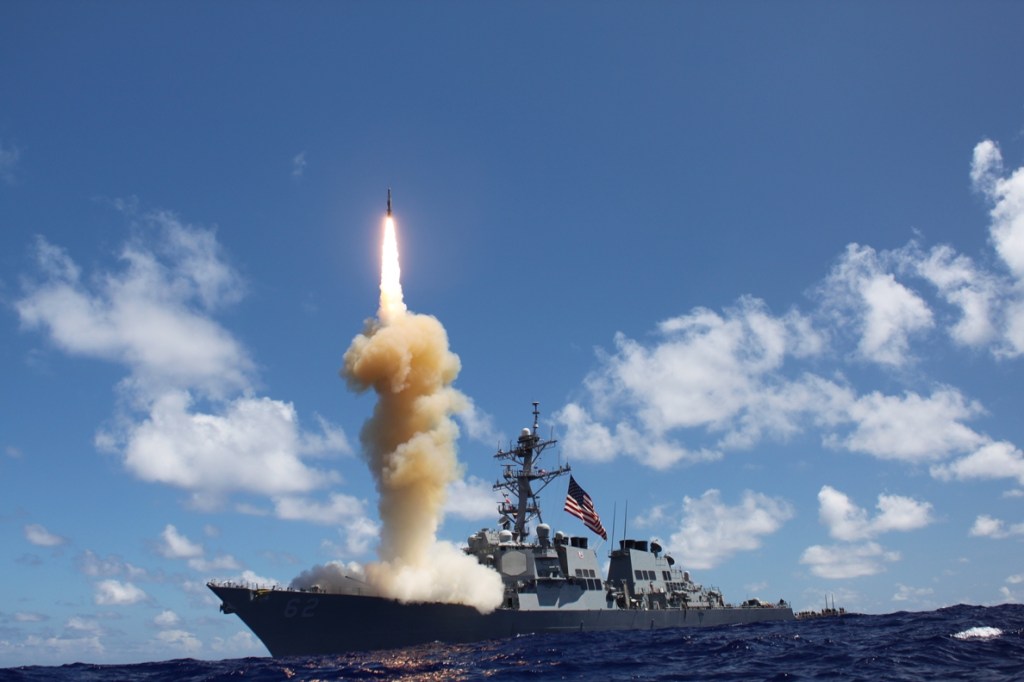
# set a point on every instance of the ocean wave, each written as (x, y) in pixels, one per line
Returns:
(980, 632)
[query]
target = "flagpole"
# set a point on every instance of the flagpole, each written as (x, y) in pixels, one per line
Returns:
(615, 506)
(625, 520)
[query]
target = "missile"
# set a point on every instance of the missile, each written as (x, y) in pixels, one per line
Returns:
(389, 201)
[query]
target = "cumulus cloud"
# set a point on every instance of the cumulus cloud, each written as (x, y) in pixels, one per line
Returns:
(476, 424)
(237, 644)
(180, 640)
(223, 562)
(166, 619)
(974, 292)
(177, 546)
(254, 445)
(885, 313)
(189, 417)
(847, 561)
(988, 527)
(854, 525)
(992, 460)
(152, 316)
(587, 439)
(706, 366)
(712, 531)
(908, 593)
(709, 382)
(471, 498)
(1005, 192)
(116, 593)
(345, 512)
(847, 521)
(911, 427)
(1007, 197)
(39, 536)
(90, 564)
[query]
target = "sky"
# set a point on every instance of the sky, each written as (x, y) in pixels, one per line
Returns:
(762, 266)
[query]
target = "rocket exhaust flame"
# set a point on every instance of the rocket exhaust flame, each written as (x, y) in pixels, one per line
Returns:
(391, 303)
(409, 445)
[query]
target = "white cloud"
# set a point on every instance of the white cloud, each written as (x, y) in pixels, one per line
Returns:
(39, 536)
(338, 509)
(247, 577)
(477, 424)
(166, 619)
(1007, 197)
(588, 440)
(238, 645)
(703, 379)
(976, 293)
(911, 427)
(988, 527)
(908, 593)
(29, 617)
(847, 521)
(344, 511)
(63, 648)
(92, 565)
(885, 313)
(254, 445)
(712, 531)
(992, 460)
(180, 640)
(177, 546)
(704, 370)
(82, 624)
(154, 315)
(472, 499)
(224, 562)
(116, 593)
(847, 560)
(174, 545)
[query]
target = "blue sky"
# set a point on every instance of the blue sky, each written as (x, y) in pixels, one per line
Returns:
(761, 264)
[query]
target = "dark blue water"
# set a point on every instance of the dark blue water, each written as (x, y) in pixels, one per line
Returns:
(956, 643)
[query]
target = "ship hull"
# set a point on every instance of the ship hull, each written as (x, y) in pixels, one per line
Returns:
(291, 623)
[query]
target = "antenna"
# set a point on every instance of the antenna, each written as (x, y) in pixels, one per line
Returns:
(615, 514)
(625, 520)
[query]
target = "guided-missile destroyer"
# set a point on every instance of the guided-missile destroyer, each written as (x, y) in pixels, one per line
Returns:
(551, 583)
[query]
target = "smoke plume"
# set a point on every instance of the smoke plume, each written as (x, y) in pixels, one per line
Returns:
(409, 445)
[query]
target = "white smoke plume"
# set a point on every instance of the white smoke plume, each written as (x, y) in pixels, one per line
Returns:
(409, 445)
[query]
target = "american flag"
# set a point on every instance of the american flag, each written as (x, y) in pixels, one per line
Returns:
(579, 504)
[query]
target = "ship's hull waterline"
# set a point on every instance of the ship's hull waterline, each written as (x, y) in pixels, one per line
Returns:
(292, 623)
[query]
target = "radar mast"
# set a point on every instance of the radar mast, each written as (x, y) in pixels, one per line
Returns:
(521, 505)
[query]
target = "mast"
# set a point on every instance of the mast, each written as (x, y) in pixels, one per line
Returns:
(521, 504)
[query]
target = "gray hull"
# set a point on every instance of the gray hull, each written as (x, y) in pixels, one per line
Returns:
(291, 623)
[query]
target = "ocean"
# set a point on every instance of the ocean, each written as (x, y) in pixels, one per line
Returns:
(954, 643)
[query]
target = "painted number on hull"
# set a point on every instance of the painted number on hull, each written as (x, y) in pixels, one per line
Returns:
(303, 608)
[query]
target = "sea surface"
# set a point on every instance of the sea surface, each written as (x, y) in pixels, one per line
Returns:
(955, 643)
